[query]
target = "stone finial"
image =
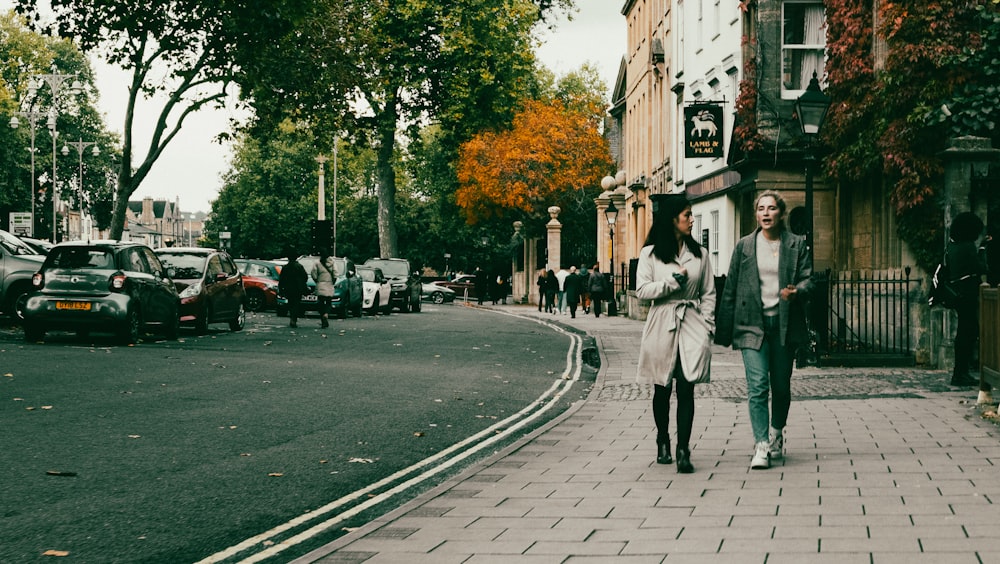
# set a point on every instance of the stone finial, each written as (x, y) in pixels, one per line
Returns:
(554, 211)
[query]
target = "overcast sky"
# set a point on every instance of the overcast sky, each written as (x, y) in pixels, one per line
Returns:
(191, 166)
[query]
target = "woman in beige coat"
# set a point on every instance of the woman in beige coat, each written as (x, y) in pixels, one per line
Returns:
(675, 274)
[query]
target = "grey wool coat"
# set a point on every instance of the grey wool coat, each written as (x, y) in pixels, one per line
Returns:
(681, 320)
(741, 311)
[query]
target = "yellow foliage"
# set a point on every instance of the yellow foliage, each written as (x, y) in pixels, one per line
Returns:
(548, 152)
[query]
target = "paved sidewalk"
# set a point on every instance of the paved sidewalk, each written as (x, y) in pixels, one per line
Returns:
(883, 466)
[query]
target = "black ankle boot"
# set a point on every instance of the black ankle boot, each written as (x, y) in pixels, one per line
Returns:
(684, 465)
(663, 453)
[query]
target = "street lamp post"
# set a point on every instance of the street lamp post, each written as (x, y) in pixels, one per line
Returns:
(611, 214)
(32, 117)
(80, 146)
(57, 83)
(811, 108)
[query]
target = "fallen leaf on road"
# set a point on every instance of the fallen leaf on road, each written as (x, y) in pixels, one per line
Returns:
(134, 436)
(56, 553)
(30, 408)
(245, 454)
(275, 474)
(362, 460)
(46, 407)
(9, 375)
(418, 434)
(268, 543)
(62, 474)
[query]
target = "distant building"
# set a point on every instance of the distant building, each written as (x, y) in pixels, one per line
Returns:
(160, 223)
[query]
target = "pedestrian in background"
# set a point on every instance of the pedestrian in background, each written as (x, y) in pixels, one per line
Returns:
(499, 290)
(541, 283)
(324, 274)
(966, 268)
(573, 286)
(585, 289)
(292, 284)
(561, 291)
(763, 314)
(482, 285)
(596, 286)
(676, 349)
(551, 289)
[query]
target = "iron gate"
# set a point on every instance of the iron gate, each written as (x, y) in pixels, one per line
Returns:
(862, 318)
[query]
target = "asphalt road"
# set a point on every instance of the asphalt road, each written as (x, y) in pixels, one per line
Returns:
(210, 447)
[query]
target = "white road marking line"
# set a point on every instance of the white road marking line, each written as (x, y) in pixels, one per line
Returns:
(565, 382)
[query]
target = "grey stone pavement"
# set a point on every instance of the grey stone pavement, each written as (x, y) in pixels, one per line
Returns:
(883, 466)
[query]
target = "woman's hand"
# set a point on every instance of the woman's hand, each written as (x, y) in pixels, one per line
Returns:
(789, 292)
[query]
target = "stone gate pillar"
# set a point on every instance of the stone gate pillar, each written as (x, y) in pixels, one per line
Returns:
(554, 242)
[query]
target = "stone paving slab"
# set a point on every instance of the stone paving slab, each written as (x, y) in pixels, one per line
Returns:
(883, 466)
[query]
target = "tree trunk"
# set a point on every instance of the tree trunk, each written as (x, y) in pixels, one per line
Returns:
(387, 180)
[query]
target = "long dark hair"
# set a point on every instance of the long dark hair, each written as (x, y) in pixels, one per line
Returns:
(662, 236)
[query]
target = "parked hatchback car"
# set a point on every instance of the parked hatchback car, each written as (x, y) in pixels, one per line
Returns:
(348, 290)
(18, 262)
(260, 281)
(209, 284)
(405, 282)
(377, 290)
(99, 286)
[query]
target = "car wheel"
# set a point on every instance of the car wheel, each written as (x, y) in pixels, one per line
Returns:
(173, 326)
(33, 333)
(239, 321)
(201, 324)
(18, 300)
(373, 310)
(129, 332)
(255, 300)
(437, 297)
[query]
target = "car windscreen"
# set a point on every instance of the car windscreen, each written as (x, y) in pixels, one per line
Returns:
(80, 258)
(392, 268)
(186, 266)
(15, 246)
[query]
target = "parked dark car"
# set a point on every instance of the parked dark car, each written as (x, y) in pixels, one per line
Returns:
(209, 284)
(102, 286)
(405, 282)
(18, 262)
(348, 290)
(39, 246)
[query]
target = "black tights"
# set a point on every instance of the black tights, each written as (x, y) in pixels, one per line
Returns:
(685, 409)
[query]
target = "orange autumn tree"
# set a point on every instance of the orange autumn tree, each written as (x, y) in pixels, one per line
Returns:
(550, 154)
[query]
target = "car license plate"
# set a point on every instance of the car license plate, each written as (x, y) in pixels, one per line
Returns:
(309, 298)
(81, 306)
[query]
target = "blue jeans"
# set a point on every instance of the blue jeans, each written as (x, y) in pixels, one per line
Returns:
(768, 370)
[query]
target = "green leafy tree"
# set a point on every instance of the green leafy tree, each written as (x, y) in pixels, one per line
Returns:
(188, 51)
(24, 54)
(458, 63)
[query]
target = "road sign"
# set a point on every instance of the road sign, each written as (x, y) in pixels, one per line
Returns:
(20, 224)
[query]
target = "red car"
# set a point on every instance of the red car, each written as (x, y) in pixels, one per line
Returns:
(262, 293)
(209, 284)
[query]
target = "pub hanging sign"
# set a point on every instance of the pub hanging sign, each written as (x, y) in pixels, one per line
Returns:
(703, 131)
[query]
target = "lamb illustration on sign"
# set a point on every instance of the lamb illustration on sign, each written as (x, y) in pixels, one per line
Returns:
(703, 121)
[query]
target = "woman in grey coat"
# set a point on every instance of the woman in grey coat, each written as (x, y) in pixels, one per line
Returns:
(763, 314)
(675, 275)
(324, 273)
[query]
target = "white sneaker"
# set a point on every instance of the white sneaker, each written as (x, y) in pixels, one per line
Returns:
(761, 457)
(776, 444)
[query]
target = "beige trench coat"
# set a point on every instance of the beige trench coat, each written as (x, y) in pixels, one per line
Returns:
(681, 320)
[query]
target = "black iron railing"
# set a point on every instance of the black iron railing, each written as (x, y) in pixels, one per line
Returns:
(862, 317)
